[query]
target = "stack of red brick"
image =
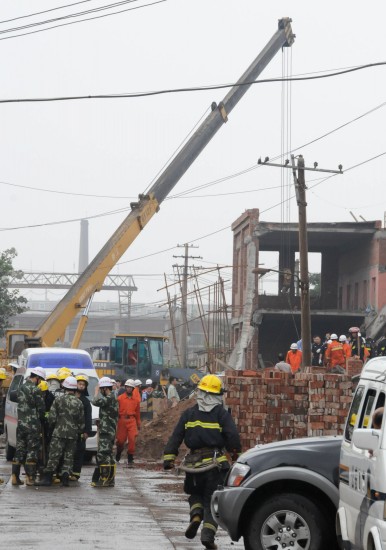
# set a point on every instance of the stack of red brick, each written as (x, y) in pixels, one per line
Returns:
(272, 406)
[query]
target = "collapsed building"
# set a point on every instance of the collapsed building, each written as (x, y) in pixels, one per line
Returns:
(352, 287)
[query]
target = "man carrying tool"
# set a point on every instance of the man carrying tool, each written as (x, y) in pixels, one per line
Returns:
(128, 423)
(104, 473)
(207, 430)
(30, 415)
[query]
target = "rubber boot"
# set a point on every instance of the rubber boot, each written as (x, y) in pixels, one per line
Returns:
(46, 480)
(30, 473)
(207, 536)
(111, 479)
(193, 527)
(95, 477)
(118, 454)
(16, 474)
(65, 479)
(130, 461)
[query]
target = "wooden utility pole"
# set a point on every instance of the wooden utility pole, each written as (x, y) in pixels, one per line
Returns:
(183, 347)
(304, 284)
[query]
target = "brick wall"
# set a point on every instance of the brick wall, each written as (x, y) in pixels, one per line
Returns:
(271, 406)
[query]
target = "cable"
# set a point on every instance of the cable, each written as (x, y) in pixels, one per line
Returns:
(208, 184)
(87, 19)
(86, 12)
(183, 90)
(45, 11)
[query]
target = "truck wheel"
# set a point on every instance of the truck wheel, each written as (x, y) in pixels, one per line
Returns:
(289, 521)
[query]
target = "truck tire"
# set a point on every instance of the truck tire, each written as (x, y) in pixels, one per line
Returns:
(288, 518)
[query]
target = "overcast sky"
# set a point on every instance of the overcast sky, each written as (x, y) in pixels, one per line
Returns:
(115, 147)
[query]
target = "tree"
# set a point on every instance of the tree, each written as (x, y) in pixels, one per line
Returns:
(11, 303)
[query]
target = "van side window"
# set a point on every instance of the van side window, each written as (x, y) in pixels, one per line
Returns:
(16, 382)
(365, 420)
(352, 417)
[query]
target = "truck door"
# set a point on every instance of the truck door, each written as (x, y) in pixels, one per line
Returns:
(357, 466)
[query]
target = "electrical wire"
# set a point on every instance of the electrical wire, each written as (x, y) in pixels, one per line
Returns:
(182, 194)
(192, 88)
(44, 11)
(86, 19)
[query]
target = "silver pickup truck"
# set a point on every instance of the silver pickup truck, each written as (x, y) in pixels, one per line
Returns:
(283, 495)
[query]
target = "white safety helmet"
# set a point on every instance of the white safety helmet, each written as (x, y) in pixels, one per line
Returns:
(113, 381)
(105, 382)
(70, 383)
(294, 346)
(137, 382)
(130, 383)
(334, 336)
(149, 382)
(39, 371)
(342, 338)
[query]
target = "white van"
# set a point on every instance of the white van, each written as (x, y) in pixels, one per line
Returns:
(361, 517)
(51, 359)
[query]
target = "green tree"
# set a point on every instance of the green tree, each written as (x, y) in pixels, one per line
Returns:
(11, 302)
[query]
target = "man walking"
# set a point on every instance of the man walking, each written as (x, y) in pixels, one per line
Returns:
(67, 418)
(30, 415)
(129, 422)
(173, 397)
(207, 430)
(104, 473)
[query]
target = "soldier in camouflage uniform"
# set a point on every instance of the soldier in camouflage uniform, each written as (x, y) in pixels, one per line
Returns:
(67, 417)
(104, 473)
(3, 376)
(30, 414)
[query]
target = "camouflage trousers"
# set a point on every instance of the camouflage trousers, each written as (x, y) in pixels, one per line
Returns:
(28, 444)
(105, 448)
(61, 447)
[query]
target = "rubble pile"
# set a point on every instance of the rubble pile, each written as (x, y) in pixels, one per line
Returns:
(154, 434)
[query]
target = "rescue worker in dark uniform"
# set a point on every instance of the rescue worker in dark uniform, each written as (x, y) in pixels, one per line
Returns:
(3, 376)
(67, 418)
(381, 347)
(207, 430)
(30, 415)
(48, 398)
(358, 345)
(82, 394)
(104, 473)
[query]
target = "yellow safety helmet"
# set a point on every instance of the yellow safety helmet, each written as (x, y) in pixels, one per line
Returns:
(63, 373)
(3, 374)
(211, 384)
(43, 386)
(52, 376)
(82, 377)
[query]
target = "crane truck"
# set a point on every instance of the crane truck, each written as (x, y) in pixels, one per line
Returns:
(91, 280)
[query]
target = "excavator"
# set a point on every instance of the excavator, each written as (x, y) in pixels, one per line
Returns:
(91, 280)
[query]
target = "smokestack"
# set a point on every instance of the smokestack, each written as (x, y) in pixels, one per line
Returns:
(83, 246)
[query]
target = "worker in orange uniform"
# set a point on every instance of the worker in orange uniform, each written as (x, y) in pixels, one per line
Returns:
(129, 422)
(294, 358)
(336, 355)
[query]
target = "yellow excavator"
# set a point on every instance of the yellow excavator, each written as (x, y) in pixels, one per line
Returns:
(91, 280)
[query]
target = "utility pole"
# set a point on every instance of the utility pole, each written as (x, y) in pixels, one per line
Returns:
(183, 348)
(304, 284)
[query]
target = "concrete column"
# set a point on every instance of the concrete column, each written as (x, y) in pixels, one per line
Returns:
(329, 280)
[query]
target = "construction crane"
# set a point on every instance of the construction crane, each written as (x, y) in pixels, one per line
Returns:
(91, 280)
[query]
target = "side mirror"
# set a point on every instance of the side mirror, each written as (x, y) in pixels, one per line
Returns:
(13, 396)
(367, 440)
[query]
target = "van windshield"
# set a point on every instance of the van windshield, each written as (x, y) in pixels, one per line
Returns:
(58, 360)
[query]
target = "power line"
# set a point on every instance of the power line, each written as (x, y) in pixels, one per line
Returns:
(188, 89)
(86, 19)
(45, 11)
